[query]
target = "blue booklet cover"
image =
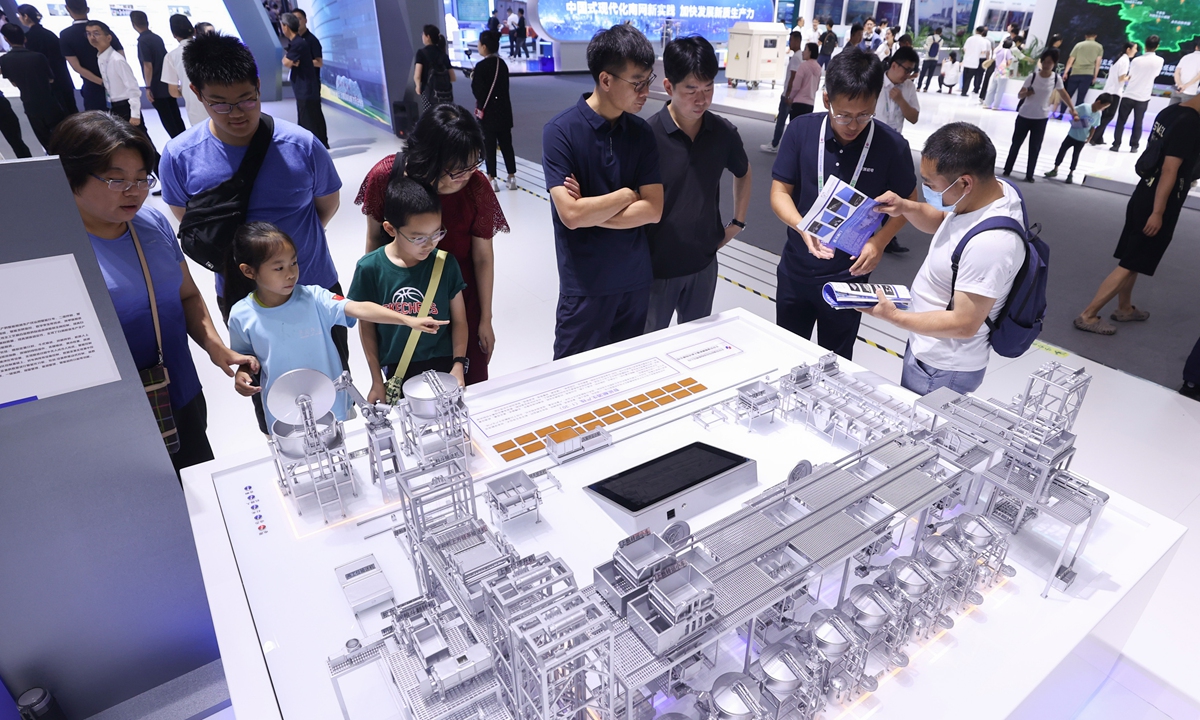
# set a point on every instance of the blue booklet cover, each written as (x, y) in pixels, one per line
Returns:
(842, 217)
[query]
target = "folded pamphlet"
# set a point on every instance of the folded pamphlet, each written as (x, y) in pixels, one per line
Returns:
(850, 296)
(842, 217)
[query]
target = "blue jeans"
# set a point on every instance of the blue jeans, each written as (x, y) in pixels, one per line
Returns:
(924, 379)
(781, 121)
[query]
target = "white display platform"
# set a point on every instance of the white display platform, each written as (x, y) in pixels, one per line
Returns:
(279, 612)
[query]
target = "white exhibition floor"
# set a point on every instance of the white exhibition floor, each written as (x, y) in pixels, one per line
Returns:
(1135, 437)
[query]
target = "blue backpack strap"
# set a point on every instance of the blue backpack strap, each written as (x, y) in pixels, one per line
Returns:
(988, 224)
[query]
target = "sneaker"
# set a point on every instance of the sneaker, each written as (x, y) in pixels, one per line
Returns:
(1052, 173)
(768, 148)
(895, 247)
(1006, 173)
(1133, 149)
(1029, 178)
(511, 183)
(1190, 390)
(1070, 178)
(1114, 148)
(496, 184)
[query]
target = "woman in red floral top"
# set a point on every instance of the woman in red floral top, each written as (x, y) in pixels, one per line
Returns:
(444, 150)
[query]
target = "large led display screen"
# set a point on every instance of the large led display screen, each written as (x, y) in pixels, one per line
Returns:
(352, 73)
(158, 13)
(1176, 23)
(579, 20)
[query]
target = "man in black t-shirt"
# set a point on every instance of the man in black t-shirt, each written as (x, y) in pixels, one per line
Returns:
(314, 43)
(31, 73)
(151, 54)
(1152, 213)
(305, 84)
(82, 56)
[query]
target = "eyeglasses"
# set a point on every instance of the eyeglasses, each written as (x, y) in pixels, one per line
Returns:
(909, 69)
(425, 239)
(126, 185)
(641, 84)
(226, 108)
(857, 119)
(463, 172)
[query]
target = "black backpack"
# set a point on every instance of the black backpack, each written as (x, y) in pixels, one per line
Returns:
(211, 218)
(441, 87)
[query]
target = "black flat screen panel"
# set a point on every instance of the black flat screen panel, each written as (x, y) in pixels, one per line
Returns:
(653, 481)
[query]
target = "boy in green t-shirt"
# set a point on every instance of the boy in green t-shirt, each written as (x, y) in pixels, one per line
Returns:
(398, 276)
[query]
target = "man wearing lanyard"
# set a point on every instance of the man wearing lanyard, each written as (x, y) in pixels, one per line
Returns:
(872, 157)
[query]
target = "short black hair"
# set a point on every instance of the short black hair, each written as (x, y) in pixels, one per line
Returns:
(405, 197)
(610, 49)
(181, 26)
(905, 40)
(1090, 32)
(1049, 53)
(856, 28)
(290, 21)
(1054, 38)
(690, 56)
(79, 6)
(853, 74)
(961, 149)
(982, 30)
(813, 50)
(1104, 98)
(13, 33)
(217, 59)
(795, 34)
(103, 26)
(937, 31)
(299, 12)
(86, 142)
(445, 138)
(139, 19)
(1152, 43)
(905, 54)
(490, 40)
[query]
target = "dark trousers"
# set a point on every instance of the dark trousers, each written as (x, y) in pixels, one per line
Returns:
(1077, 86)
(799, 307)
(168, 114)
(799, 109)
(969, 74)
(64, 91)
(1106, 117)
(689, 297)
(340, 341)
(191, 422)
(781, 120)
(1036, 130)
(987, 78)
(93, 96)
(1138, 108)
(43, 124)
(929, 70)
(1067, 144)
(418, 367)
(10, 128)
(121, 109)
(311, 117)
(503, 138)
(1191, 369)
(583, 323)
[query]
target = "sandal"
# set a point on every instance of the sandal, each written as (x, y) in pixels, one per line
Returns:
(1097, 326)
(1134, 315)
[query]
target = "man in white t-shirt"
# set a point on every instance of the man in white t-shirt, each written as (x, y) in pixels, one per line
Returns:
(898, 101)
(1114, 84)
(1143, 71)
(781, 119)
(174, 74)
(1187, 75)
(808, 33)
(949, 347)
(975, 50)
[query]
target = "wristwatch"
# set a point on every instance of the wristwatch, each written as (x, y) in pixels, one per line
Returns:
(739, 223)
(466, 363)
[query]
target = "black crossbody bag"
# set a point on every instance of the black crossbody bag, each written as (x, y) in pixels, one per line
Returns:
(211, 218)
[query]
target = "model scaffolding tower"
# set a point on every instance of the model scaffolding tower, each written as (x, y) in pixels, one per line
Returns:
(433, 419)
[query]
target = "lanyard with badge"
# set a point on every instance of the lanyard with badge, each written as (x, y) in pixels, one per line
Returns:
(862, 159)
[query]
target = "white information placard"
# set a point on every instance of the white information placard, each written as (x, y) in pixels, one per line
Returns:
(704, 353)
(51, 342)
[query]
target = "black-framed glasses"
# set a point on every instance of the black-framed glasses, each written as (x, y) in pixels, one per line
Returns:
(423, 240)
(862, 119)
(639, 85)
(463, 172)
(909, 69)
(226, 108)
(125, 185)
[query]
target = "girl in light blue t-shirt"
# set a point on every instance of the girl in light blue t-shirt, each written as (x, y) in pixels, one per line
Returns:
(286, 326)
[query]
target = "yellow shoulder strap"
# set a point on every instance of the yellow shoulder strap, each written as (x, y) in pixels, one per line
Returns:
(414, 336)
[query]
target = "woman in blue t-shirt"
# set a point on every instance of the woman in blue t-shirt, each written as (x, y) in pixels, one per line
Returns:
(107, 163)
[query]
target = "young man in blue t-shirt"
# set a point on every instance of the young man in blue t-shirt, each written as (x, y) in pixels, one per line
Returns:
(601, 166)
(297, 185)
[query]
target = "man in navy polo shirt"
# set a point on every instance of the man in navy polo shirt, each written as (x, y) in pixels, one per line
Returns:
(601, 167)
(848, 143)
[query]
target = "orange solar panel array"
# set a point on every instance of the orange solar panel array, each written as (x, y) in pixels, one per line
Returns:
(529, 443)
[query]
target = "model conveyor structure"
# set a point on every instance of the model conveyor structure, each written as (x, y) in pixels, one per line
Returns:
(913, 524)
